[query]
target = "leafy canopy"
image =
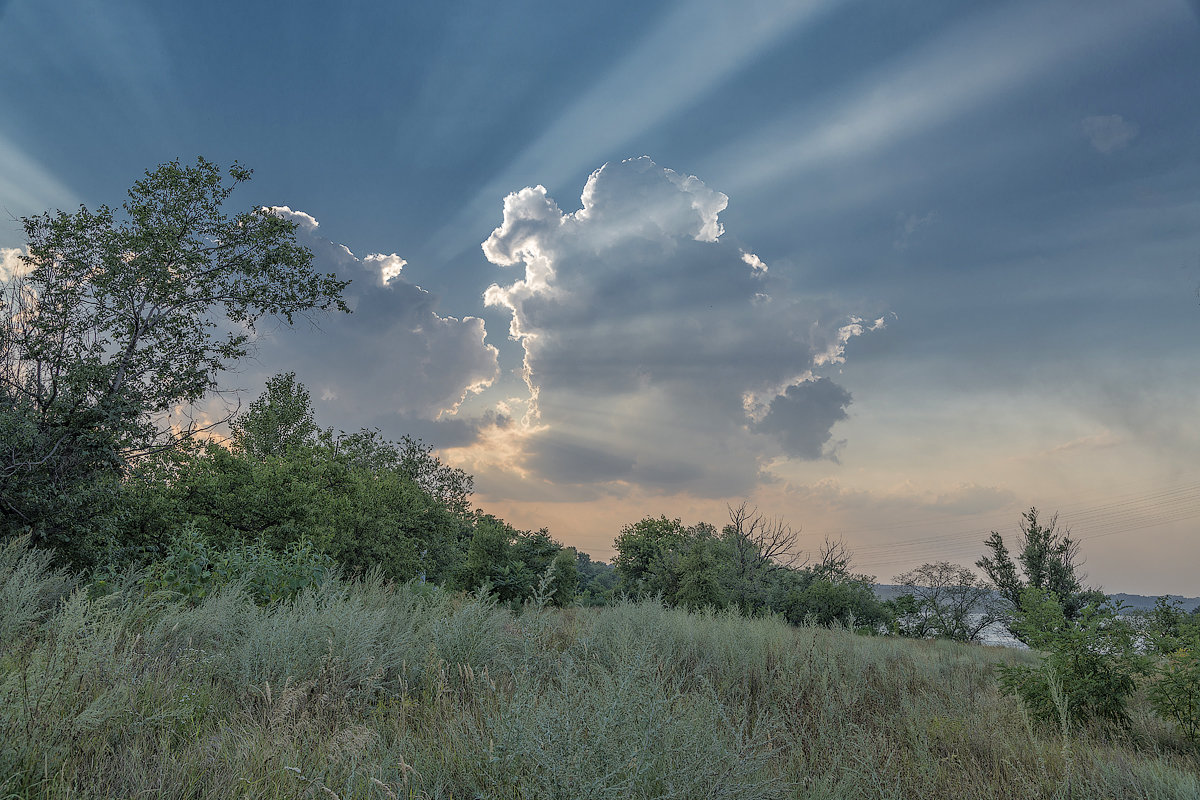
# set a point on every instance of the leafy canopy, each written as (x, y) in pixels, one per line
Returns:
(135, 314)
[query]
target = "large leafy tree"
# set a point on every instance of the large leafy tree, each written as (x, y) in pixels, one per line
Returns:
(650, 555)
(515, 565)
(121, 318)
(947, 601)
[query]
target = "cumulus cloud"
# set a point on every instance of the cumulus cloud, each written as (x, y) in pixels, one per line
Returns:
(656, 353)
(1109, 133)
(389, 266)
(395, 354)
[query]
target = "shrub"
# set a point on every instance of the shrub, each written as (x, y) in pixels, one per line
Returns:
(29, 588)
(1089, 666)
(1175, 689)
(194, 570)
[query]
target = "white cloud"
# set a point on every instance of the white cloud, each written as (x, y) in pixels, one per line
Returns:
(644, 334)
(754, 262)
(1109, 133)
(389, 266)
(683, 56)
(306, 222)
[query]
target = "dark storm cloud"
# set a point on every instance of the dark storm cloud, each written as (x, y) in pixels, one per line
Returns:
(802, 416)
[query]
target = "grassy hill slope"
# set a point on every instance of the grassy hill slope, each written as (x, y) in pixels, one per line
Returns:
(365, 690)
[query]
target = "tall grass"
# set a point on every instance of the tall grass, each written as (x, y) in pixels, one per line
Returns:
(361, 689)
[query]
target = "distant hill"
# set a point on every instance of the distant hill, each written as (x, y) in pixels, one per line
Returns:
(887, 591)
(1143, 602)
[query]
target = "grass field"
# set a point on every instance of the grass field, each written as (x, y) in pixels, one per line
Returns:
(365, 690)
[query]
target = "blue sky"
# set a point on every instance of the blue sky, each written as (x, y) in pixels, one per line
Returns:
(894, 271)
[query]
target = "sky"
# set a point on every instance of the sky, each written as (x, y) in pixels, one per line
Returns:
(894, 272)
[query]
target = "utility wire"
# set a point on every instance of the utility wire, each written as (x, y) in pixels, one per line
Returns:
(1122, 514)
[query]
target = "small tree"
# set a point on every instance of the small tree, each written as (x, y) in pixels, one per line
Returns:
(488, 552)
(831, 592)
(949, 602)
(566, 577)
(1049, 562)
(1175, 689)
(700, 578)
(646, 550)
(279, 421)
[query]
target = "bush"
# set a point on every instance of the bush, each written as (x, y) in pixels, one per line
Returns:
(194, 570)
(1089, 667)
(1175, 689)
(849, 602)
(29, 589)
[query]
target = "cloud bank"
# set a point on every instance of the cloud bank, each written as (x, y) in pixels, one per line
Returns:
(395, 355)
(656, 353)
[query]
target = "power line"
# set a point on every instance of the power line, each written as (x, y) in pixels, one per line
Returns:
(1122, 514)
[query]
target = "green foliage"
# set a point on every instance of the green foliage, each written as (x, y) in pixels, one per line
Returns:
(1172, 640)
(194, 570)
(59, 478)
(367, 689)
(851, 603)
(1089, 667)
(902, 610)
(700, 580)
(355, 497)
(488, 551)
(510, 564)
(1175, 689)
(1166, 628)
(747, 565)
(30, 589)
(646, 553)
(1048, 558)
(566, 577)
(830, 593)
(756, 550)
(280, 421)
(597, 581)
(686, 566)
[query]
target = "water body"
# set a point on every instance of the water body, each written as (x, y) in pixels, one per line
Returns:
(996, 635)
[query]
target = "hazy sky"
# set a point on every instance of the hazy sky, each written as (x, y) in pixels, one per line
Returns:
(892, 270)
